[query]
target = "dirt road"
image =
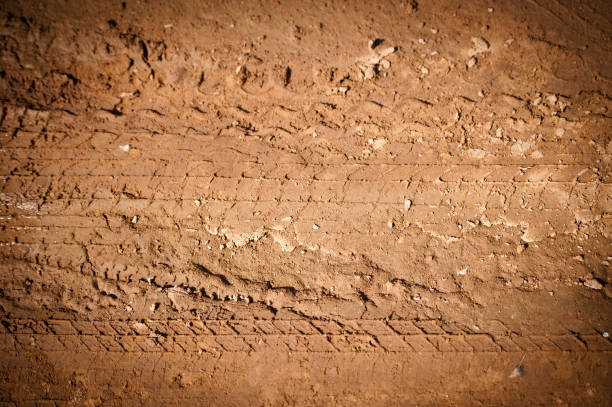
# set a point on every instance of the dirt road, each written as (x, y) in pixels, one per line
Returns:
(305, 203)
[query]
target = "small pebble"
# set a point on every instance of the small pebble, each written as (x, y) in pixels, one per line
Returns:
(605, 335)
(387, 51)
(125, 147)
(518, 371)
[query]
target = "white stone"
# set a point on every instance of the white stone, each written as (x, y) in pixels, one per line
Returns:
(594, 284)
(27, 206)
(386, 52)
(378, 143)
(520, 147)
(480, 45)
(537, 154)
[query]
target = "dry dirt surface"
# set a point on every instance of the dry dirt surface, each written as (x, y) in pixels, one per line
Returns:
(343, 203)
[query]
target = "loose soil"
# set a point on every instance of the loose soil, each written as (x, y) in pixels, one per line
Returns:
(305, 203)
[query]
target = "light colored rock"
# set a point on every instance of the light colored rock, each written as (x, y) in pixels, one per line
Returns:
(386, 51)
(537, 154)
(518, 371)
(285, 243)
(594, 284)
(520, 147)
(480, 45)
(27, 206)
(407, 204)
(377, 143)
(241, 239)
(477, 153)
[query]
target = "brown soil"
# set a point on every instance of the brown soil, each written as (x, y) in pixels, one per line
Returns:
(305, 203)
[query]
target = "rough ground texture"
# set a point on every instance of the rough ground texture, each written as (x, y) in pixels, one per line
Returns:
(305, 203)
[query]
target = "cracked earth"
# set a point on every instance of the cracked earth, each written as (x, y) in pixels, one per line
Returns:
(305, 203)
